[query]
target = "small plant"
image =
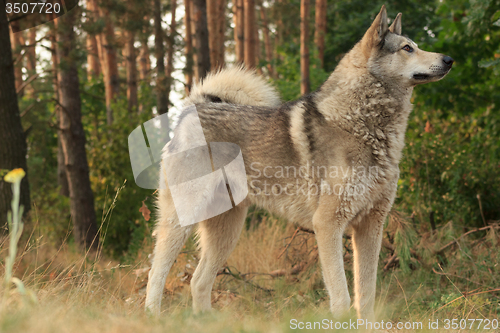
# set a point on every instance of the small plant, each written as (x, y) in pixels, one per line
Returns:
(15, 230)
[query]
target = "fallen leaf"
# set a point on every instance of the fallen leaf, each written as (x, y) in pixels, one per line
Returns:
(428, 127)
(146, 213)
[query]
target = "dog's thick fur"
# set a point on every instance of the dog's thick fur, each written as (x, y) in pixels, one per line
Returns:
(356, 119)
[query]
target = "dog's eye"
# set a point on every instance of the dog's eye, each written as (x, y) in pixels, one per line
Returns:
(408, 48)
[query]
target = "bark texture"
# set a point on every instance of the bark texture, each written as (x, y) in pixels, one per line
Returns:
(13, 142)
(144, 61)
(201, 53)
(17, 43)
(267, 40)
(107, 54)
(73, 137)
(170, 52)
(250, 55)
(93, 66)
(221, 27)
(239, 33)
(131, 67)
(188, 46)
(161, 82)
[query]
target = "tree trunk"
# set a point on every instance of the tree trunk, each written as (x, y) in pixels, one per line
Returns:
(320, 31)
(131, 66)
(267, 40)
(107, 50)
(250, 56)
(212, 19)
(170, 53)
(16, 41)
(305, 86)
(239, 29)
(62, 179)
(31, 59)
(73, 137)
(201, 53)
(93, 67)
(278, 37)
(13, 146)
(161, 82)
(221, 27)
(188, 48)
(216, 26)
(258, 48)
(144, 61)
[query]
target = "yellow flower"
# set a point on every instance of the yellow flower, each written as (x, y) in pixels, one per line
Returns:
(15, 176)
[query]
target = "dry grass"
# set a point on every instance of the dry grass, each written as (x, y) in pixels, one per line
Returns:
(85, 294)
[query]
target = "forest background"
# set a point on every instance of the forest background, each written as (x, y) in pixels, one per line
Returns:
(72, 89)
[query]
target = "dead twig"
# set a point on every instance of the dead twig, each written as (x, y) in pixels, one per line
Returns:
(289, 243)
(464, 296)
(392, 260)
(478, 196)
(494, 226)
(458, 276)
(227, 271)
(296, 269)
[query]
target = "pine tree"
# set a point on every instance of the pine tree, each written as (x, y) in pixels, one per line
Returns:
(73, 136)
(13, 147)
(305, 85)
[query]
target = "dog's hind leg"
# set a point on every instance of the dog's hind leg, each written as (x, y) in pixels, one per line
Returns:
(367, 240)
(218, 237)
(170, 237)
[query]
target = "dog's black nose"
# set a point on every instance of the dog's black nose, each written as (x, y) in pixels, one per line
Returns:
(448, 61)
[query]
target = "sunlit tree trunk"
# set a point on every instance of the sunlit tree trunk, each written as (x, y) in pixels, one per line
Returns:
(107, 50)
(250, 56)
(16, 41)
(239, 30)
(144, 61)
(320, 31)
(201, 54)
(212, 23)
(93, 66)
(221, 27)
(62, 179)
(73, 136)
(31, 59)
(305, 86)
(188, 48)
(267, 40)
(13, 147)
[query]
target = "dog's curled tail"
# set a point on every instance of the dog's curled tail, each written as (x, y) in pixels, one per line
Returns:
(236, 85)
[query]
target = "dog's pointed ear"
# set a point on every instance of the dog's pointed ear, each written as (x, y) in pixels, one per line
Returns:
(375, 33)
(396, 25)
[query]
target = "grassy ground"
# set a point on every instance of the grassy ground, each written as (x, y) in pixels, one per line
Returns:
(271, 282)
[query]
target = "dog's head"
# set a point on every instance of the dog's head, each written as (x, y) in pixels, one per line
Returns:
(396, 59)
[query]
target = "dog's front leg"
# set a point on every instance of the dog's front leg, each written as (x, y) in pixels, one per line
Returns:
(367, 240)
(329, 231)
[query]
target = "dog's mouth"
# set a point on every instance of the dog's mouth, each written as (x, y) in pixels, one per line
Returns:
(430, 77)
(421, 76)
